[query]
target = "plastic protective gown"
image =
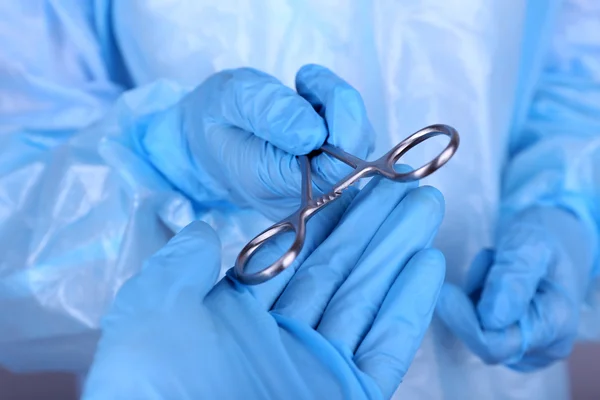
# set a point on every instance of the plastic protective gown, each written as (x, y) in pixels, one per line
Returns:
(81, 208)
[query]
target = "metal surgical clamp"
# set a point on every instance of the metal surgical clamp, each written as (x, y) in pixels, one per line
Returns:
(309, 206)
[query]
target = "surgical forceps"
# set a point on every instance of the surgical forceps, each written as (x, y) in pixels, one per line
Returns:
(309, 206)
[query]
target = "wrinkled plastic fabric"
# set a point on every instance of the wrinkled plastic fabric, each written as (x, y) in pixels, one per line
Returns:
(80, 210)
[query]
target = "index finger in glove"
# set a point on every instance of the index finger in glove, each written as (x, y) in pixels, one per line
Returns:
(392, 342)
(257, 102)
(409, 228)
(190, 261)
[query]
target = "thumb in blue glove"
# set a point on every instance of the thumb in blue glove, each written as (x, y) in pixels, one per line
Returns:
(525, 296)
(347, 324)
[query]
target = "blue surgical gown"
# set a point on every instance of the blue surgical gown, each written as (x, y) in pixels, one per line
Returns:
(80, 209)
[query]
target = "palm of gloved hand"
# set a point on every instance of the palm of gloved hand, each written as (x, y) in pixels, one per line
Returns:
(346, 325)
(525, 296)
(235, 137)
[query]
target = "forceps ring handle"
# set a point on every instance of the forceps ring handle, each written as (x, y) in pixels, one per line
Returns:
(290, 224)
(392, 156)
(294, 223)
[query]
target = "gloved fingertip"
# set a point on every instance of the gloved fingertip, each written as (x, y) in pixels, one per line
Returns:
(495, 309)
(192, 257)
(304, 132)
(457, 312)
(307, 71)
(197, 236)
(199, 230)
(435, 194)
(479, 269)
(429, 199)
(433, 257)
(433, 264)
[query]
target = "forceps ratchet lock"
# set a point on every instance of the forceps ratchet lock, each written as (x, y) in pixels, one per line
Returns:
(308, 206)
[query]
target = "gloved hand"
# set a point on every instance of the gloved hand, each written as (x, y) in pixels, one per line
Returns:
(347, 324)
(235, 137)
(525, 297)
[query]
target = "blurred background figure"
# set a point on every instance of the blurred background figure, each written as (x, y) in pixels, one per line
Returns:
(90, 186)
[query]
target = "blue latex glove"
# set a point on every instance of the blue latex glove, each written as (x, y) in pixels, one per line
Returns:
(347, 325)
(235, 137)
(525, 297)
